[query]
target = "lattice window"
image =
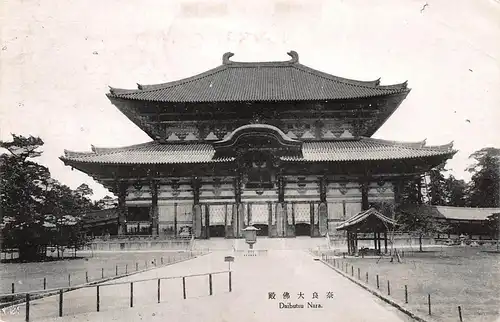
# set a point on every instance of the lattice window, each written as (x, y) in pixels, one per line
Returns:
(217, 215)
(352, 208)
(260, 214)
(335, 210)
(302, 213)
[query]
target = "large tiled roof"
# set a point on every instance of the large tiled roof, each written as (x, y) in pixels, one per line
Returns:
(352, 150)
(259, 81)
(147, 153)
(452, 213)
(367, 149)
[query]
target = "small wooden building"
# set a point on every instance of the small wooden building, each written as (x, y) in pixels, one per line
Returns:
(367, 222)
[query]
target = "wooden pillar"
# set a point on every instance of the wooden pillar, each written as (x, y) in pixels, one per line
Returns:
(311, 218)
(238, 222)
(364, 196)
(385, 242)
(348, 242)
(379, 246)
(175, 219)
(281, 214)
(323, 207)
(207, 221)
(375, 240)
(122, 207)
(355, 243)
(153, 184)
(197, 212)
(397, 189)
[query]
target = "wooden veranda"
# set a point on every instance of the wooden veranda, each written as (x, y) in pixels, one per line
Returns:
(366, 222)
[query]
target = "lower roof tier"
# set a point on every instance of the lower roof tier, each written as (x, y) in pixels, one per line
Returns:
(156, 153)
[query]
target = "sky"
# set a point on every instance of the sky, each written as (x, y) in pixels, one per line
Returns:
(58, 58)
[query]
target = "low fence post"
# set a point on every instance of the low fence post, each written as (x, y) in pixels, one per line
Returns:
(98, 299)
(102, 272)
(69, 279)
(131, 294)
(366, 277)
(378, 285)
(44, 283)
(136, 266)
(352, 270)
(210, 283)
(429, 303)
(28, 307)
(116, 270)
(126, 268)
(86, 277)
(60, 303)
(459, 313)
(406, 294)
(359, 273)
(159, 290)
(184, 287)
(13, 288)
(388, 287)
(230, 282)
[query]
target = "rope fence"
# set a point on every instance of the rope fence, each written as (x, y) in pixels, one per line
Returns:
(59, 292)
(16, 296)
(402, 295)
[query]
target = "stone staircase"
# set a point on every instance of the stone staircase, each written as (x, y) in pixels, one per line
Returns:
(263, 243)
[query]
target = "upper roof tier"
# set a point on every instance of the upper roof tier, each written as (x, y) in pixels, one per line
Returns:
(259, 81)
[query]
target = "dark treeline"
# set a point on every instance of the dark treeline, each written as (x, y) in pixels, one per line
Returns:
(37, 211)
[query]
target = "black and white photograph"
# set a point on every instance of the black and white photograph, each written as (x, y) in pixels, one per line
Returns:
(220, 161)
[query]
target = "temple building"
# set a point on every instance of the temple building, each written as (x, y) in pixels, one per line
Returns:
(279, 145)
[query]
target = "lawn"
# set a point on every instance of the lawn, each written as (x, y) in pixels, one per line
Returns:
(29, 276)
(453, 276)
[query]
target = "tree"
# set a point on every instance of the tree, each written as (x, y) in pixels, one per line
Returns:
(419, 221)
(36, 210)
(494, 225)
(437, 186)
(21, 196)
(456, 192)
(411, 193)
(484, 187)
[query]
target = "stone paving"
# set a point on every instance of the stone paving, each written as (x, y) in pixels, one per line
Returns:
(254, 281)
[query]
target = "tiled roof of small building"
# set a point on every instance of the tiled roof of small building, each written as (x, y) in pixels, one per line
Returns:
(347, 150)
(361, 216)
(452, 213)
(259, 81)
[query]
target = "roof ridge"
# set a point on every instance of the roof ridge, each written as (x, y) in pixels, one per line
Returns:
(467, 208)
(411, 145)
(157, 87)
(336, 78)
(102, 150)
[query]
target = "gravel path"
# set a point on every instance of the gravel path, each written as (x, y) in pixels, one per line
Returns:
(254, 281)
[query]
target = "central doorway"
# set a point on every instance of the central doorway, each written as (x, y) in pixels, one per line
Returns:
(258, 215)
(302, 213)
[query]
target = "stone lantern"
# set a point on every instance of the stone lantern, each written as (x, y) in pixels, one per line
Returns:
(250, 234)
